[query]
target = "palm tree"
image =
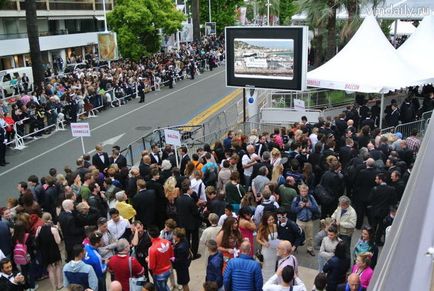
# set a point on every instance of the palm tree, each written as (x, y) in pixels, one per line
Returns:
(35, 51)
(196, 19)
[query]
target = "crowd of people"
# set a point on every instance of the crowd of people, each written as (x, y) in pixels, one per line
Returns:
(248, 203)
(68, 97)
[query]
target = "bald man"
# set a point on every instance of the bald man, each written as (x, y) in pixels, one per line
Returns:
(353, 284)
(115, 286)
(243, 272)
(284, 251)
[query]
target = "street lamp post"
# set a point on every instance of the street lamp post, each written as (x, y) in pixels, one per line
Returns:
(209, 10)
(105, 16)
(268, 12)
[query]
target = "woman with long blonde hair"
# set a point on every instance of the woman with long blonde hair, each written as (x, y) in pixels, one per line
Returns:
(171, 192)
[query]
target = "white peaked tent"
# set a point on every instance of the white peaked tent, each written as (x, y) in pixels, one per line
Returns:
(419, 48)
(402, 28)
(367, 64)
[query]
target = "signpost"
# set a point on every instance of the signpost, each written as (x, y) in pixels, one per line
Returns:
(79, 130)
(173, 137)
(299, 105)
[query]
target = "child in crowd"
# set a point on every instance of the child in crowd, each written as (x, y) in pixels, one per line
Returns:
(317, 240)
(167, 232)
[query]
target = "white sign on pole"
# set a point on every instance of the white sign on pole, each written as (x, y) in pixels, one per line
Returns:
(80, 129)
(172, 137)
(299, 105)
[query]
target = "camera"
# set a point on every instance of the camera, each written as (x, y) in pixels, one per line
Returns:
(304, 199)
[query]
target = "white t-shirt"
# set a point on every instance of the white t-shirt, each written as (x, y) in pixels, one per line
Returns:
(245, 160)
(224, 217)
(118, 229)
(272, 285)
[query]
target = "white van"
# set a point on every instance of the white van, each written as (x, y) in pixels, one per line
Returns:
(7, 78)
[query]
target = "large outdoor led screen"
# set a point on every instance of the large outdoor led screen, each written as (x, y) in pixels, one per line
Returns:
(266, 57)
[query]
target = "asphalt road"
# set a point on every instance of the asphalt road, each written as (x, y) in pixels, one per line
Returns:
(123, 125)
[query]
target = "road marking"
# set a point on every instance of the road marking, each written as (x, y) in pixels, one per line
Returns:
(201, 117)
(110, 141)
(107, 123)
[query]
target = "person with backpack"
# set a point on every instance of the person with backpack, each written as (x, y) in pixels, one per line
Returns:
(210, 171)
(23, 248)
(306, 209)
(267, 205)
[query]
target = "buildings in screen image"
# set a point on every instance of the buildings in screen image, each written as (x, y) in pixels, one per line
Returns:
(264, 58)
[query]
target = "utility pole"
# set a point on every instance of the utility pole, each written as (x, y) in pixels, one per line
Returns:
(196, 19)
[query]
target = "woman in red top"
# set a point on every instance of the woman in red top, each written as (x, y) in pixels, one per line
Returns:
(119, 265)
(229, 240)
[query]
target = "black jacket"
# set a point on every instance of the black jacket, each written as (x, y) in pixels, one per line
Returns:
(336, 270)
(183, 164)
(364, 182)
(6, 285)
(98, 163)
(334, 183)
(71, 230)
(144, 202)
(121, 161)
(145, 171)
(381, 198)
(187, 212)
(98, 203)
(290, 232)
(160, 202)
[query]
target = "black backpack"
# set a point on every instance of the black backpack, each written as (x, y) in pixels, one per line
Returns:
(210, 177)
(270, 207)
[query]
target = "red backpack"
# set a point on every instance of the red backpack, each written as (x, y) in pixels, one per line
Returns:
(21, 256)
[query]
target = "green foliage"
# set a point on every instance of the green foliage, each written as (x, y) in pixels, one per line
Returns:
(2, 3)
(223, 12)
(385, 26)
(287, 9)
(137, 23)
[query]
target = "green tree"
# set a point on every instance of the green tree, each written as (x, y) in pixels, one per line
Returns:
(137, 23)
(35, 51)
(287, 9)
(223, 12)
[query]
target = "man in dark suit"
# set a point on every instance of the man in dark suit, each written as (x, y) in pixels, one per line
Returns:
(8, 280)
(184, 159)
(3, 141)
(144, 202)
(145, 168)
(73, 233)
(364, 182)
(381, 198)
(347, 152)
(261, 146)
(118, 158)
(155, 155)
(188, 216)
(101, 159)
(341, 125)
(160, 206)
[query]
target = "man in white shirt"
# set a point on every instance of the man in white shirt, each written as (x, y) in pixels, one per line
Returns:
(248, 161)
(228, 213)
(8, 280)
(289, 281)
(118, 226)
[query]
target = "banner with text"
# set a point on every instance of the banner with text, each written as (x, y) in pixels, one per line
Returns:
(172, 137)
(80, 129)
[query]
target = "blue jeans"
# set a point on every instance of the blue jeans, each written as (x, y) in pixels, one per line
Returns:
(160, 281)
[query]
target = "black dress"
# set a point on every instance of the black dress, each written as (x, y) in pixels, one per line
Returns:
(48, 246)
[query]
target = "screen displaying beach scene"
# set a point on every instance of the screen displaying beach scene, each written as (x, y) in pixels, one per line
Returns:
(264, 58)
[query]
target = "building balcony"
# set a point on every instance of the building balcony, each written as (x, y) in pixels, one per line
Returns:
(19, 5)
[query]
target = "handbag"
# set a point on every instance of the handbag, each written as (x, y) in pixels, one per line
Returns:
(323, 196)
(136, 284)
(259, 255)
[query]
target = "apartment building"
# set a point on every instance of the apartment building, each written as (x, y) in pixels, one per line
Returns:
(67, 29)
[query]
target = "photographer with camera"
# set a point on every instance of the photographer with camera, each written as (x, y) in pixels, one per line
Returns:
(306, 209)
